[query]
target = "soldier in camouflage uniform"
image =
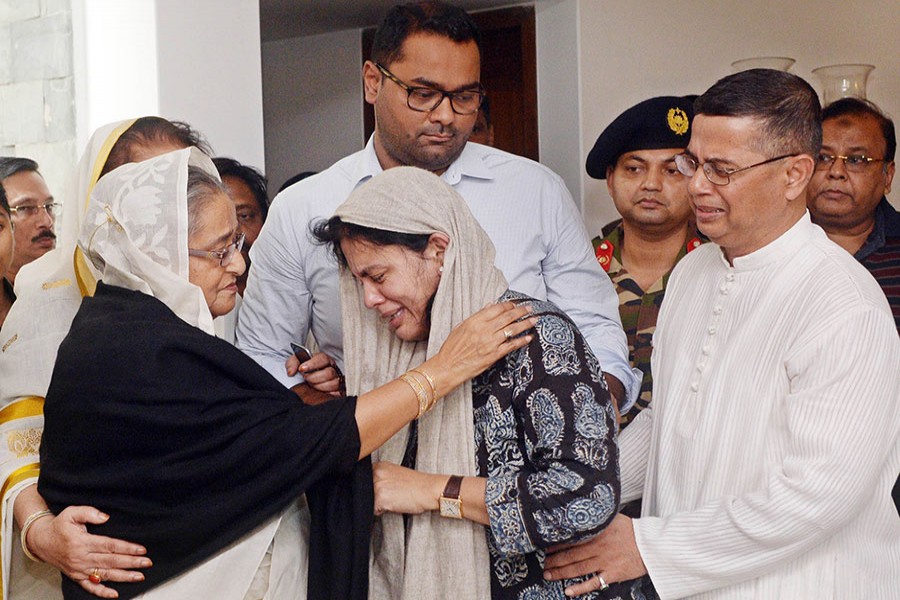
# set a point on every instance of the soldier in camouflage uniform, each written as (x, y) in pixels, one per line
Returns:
(635, 155)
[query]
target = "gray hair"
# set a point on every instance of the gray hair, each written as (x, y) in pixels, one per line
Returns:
(786, 106)
(202, 189)
(10, 165)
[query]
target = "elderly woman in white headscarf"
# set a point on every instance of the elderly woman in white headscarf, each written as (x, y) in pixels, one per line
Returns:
(521, 458)
(190, 447)
(50, 291)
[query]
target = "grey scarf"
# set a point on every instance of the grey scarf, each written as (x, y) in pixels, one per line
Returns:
(435, 557)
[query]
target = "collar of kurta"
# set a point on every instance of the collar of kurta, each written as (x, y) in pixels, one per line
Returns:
(785, 246)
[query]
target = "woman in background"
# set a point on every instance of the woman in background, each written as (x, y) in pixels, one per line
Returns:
(7, 248)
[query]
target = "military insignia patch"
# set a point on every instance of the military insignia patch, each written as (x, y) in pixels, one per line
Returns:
(678, 121)
(604, 254)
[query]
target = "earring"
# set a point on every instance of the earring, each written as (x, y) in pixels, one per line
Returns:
(440, 269)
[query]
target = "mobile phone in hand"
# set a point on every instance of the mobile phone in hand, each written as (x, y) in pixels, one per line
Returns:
(301, 352)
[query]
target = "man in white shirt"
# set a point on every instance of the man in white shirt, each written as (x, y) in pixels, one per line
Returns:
(424, 82)
(767, 458)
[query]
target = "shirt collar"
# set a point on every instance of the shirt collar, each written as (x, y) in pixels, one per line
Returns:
(785, 246)
(468, 164)
(369, 166)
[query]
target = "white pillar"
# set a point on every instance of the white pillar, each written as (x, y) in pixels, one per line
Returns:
(197, 61)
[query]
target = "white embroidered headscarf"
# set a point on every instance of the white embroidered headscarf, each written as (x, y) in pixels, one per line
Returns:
(435, 557)
(135, 231)
(48, 291)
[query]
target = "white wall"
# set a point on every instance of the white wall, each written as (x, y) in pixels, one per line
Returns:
(559, 101)
(633, 50)
(115, 62)
(197, 62)
(210, 72)
(313, 102)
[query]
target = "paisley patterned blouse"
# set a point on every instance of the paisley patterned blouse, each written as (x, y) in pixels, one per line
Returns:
(545, 433)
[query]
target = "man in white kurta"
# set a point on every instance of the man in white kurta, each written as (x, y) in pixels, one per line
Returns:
(767, 460)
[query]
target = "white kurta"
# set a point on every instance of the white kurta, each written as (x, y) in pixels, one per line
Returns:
(772, 443)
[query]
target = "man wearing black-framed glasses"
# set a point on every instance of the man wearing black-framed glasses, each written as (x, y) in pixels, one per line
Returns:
(424, 81)
(847, 193)
(773, 441)
(33, 209)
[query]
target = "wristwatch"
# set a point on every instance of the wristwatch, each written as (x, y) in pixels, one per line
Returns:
(450, 503)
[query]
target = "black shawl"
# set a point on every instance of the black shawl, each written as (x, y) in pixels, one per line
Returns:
(188, 445)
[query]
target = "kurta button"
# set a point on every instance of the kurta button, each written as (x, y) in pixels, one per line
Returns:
(729, 277)
(717, 310)
(706, 350)
(695, 386)
(711, 330)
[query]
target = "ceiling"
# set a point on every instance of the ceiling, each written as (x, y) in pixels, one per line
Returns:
(280, 19)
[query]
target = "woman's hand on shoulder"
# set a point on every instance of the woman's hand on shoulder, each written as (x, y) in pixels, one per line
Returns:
(64, 543)
(405, 491)
(481, 340)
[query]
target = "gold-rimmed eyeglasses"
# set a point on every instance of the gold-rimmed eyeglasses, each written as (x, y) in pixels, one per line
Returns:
(687, 165)
(29, 211)
(224, 255)
(426, 99)
(855, 163)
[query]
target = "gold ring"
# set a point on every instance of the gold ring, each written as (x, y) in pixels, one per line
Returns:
(95, 576)
(507, 334)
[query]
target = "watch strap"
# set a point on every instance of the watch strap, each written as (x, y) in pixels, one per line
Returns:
(453, 487)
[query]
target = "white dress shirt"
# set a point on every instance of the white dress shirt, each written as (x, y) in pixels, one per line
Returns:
(772, 443)
(526, 210)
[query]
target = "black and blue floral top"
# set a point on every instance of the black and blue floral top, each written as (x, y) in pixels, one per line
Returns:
(545, 432)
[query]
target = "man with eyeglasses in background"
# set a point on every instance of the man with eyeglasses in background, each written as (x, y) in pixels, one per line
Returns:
(846, 196)
(33, 211)
(424, 82)
(768, 454)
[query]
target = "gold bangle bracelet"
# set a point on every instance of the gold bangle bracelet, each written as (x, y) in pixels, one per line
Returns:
(428, 378)
(425, 401)
(419, 390)
(28, 523)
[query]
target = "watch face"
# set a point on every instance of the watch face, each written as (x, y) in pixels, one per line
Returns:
(451, 507)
